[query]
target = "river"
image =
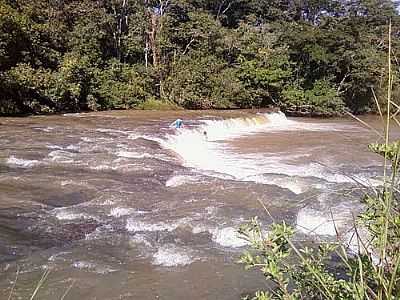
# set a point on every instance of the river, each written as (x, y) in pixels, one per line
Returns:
(117, 205)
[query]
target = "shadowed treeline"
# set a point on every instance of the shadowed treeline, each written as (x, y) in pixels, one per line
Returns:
(307, 57)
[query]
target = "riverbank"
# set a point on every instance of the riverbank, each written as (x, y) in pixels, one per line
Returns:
(170, 107)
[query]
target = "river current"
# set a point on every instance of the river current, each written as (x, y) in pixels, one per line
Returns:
(118, 205)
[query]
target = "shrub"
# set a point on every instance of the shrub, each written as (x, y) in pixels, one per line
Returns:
(321, 99)
(154, 104)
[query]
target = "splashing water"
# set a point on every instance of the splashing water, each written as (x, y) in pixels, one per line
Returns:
(203, 148)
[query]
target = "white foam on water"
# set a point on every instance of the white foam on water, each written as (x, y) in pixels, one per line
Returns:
(172, 256)
(23, 163)
(110, 130)
(226, 236)
(121, 211)
(103, 167)
(78, 115)
(133, 225)
(94, 140)
(315, 222)
(66, 182)
(134, 136)
(61, 156)
(63, 213)
(291, 184)
(141, 239)
(73, 147)
(88, 139)
(130, 154)
(108, 202)
(45, 129)
(352, 242)
(179, 180)
(92, 267)
(211, 210)
(54, 147)
(136, 155)
(58, 256)
(209, 154)
(360, 242)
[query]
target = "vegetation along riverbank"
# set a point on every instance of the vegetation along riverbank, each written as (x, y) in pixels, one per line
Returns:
(307, 57)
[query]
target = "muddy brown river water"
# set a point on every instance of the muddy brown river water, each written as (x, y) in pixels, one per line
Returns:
(118, 205)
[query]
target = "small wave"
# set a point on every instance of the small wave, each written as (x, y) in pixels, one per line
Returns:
(73, 147)
(226, 237)
(291, 184)
(88, 139)
(110, 130)
(128, 154)
(69, 147)
(99, 232)
(66, 214)
(359, 242)
(62, 156)
(141, 239)
(314, 222)
(136, 155)
(103, 167)
(58, 256)
(172, 256)
(179, 180)
(121, 211)
(94, 140)
(77, 115)
(86, 265)
(135, 136)
(45, 129)
(67, 182)
(55, 147)
(20, 162)
(133, 225)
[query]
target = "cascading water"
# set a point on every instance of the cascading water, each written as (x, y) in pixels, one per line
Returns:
(208, 152)
(125, 207)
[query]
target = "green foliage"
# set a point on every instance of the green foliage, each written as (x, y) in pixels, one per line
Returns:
(322, 99)
(122, 86)
(205, 82)
(308, 57)
(266, 76)
(301, 272)
(154, 104)
(390, 151)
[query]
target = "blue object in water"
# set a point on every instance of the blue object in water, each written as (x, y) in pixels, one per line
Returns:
(177, 123)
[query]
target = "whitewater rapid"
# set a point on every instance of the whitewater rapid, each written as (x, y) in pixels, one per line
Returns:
(127, 201)
(210, 155)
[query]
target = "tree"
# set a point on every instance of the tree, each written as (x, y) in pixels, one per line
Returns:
(119, 53)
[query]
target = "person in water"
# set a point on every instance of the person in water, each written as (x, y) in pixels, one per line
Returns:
(205, 135)
(178, 123)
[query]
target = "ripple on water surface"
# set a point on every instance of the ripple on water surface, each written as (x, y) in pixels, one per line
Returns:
(160, 200)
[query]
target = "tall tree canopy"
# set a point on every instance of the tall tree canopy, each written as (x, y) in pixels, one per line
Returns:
(311, 56)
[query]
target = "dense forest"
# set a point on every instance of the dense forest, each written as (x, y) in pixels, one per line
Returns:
(305, 56)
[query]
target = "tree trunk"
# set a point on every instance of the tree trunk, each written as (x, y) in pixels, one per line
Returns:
(154, 24)
(121, 25)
